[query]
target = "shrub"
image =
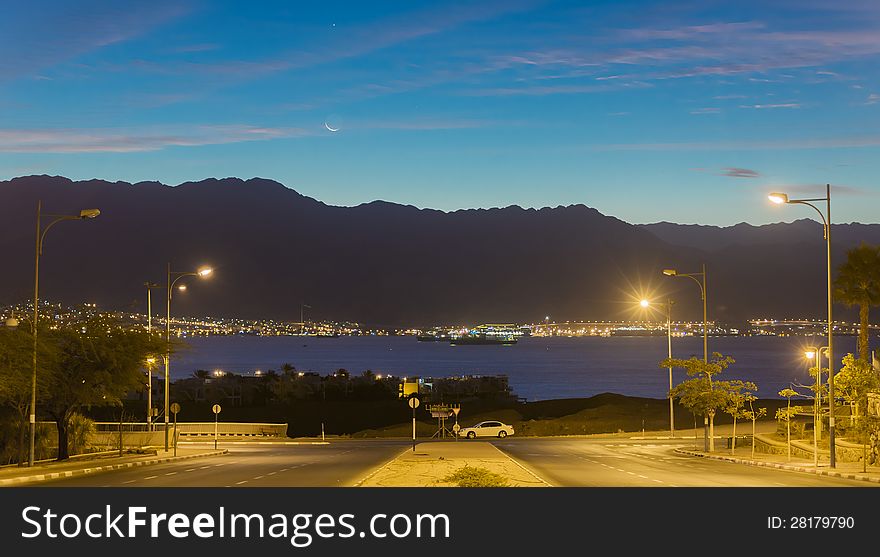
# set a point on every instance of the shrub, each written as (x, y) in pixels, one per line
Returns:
(471, 476)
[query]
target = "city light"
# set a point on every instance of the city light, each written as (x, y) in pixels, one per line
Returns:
(205, 271)
(644, 303)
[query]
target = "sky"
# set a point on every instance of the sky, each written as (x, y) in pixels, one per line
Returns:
(687, 112)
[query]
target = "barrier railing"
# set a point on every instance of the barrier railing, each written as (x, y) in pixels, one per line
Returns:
(196, 429)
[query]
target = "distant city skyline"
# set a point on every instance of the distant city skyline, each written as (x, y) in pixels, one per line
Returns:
(645, 110)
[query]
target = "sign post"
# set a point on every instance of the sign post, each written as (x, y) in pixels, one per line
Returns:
(414, 403)
(216, 410)
(455, 410)
(175, 408)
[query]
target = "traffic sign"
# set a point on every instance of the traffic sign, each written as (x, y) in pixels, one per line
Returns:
(456, 428)
(413, 402)
(175, 408)
(215, 409)
(456, 410)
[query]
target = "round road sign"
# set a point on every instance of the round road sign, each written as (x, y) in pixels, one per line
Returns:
(175, 408)
(215, 409)
(413, 402)
(456, 428)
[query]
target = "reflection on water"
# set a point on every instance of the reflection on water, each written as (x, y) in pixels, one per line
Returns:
(538, 368)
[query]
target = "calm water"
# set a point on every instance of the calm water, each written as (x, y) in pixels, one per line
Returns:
(538, 368)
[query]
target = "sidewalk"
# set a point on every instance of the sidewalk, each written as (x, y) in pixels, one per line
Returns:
(16, 475)
(847, 470)
(432, 461)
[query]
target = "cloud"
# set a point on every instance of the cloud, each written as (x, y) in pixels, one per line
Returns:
(873, 98)
(763, 106)
(55, 33)
(706, 110)
(112, 140)
(733, 172)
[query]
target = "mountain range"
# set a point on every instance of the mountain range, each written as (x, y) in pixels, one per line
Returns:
(387, 264)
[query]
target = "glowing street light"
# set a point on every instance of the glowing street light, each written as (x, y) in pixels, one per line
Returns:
(202, 272)
(779, 199)
(41, 235)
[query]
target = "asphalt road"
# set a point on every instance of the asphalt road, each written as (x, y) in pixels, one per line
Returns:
(339, 463)
(613, 462)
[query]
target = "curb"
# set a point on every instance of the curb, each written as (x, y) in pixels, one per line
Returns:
(523, 467)
(789, 467)
(84, 471)
(379, 468)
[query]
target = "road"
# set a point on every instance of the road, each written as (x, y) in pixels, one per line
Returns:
(621, 462)
(339, 463)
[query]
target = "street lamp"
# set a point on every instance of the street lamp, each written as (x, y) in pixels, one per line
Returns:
(645, 304)
(779, 199)
(702, 283)
(150, 361)
(202, 272)
(40, 236)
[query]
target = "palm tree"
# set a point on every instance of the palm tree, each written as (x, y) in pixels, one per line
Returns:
(858, 284)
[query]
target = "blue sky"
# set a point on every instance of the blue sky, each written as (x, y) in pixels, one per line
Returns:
(687, 112)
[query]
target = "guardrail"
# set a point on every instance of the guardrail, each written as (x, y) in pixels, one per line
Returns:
(197, 429)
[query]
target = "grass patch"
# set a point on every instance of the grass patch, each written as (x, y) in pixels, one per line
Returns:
(472, 476)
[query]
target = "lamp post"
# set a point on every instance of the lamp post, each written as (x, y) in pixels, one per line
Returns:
(645, 304)
(780, 198)
(150, 286)
(40, 236)
(709, 443)
(811, 354)
(203, 272)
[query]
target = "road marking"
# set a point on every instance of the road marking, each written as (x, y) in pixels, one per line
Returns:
(203, 467)
(271, 473)
(170, 473)
(189, 470)
(643, 477)
(222, 464)
(128, 481)
(150, 477)
(241, 482)
(259, 478)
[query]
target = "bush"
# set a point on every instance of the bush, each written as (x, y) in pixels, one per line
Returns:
(470, 476)
(79, 430)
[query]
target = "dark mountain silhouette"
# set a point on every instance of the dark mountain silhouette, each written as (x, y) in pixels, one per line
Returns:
(387, 264)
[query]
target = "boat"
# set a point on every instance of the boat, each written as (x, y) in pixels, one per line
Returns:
(482, 340)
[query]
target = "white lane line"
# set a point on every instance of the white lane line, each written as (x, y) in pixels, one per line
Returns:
(259, 478)
(643, 477)
(150, 477)
(129, 481)
(222, 464)
(203, 467)
(658, 481)
(271, 473)
(241, 482)
(170, 473)
(189, 469)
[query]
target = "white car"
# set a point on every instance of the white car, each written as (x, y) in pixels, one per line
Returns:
(489, 428)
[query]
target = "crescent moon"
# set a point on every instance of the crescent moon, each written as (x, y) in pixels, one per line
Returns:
(326, 125)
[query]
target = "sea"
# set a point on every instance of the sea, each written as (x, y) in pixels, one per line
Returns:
(538, 368)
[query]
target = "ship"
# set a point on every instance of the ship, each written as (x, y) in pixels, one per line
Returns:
(466, 340)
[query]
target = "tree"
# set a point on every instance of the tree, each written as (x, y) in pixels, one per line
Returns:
(16, 375)
(738, 393)
(853, 382)
(99, 361)
(753, 414)
(698, 394)
(858, 284)
(787, 413)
